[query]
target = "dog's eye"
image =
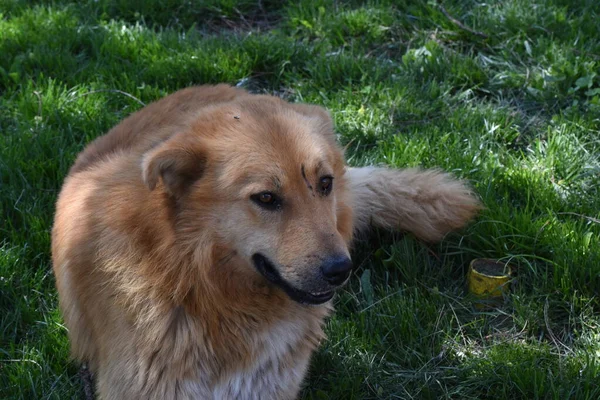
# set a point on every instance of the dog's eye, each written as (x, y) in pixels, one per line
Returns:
(267, 200)
(325, 185)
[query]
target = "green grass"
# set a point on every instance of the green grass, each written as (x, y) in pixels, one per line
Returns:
(512, 103)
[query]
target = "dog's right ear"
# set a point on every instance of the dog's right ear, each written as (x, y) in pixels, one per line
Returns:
(177, 163)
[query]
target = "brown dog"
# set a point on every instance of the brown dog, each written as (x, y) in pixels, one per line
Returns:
(198, 244)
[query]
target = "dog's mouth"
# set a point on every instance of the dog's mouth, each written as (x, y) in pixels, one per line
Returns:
(268, 270)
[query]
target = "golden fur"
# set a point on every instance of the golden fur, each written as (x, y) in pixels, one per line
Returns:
(157, 228)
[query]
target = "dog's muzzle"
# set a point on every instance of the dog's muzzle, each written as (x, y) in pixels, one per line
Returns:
(268, 270)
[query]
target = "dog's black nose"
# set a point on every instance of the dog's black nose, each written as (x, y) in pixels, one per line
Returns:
(336, 269)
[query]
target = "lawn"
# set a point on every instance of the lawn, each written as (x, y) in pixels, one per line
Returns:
(505, 94)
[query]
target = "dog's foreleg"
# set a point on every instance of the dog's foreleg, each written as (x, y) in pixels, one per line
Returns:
(87, 382)
(427, 203)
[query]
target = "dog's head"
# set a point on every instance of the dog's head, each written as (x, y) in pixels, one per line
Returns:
(267, 177)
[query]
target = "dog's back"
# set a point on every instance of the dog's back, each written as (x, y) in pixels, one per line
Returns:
(155, 123)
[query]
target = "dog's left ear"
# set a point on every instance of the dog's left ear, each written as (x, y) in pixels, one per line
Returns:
(320, 115)
(178, 163)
